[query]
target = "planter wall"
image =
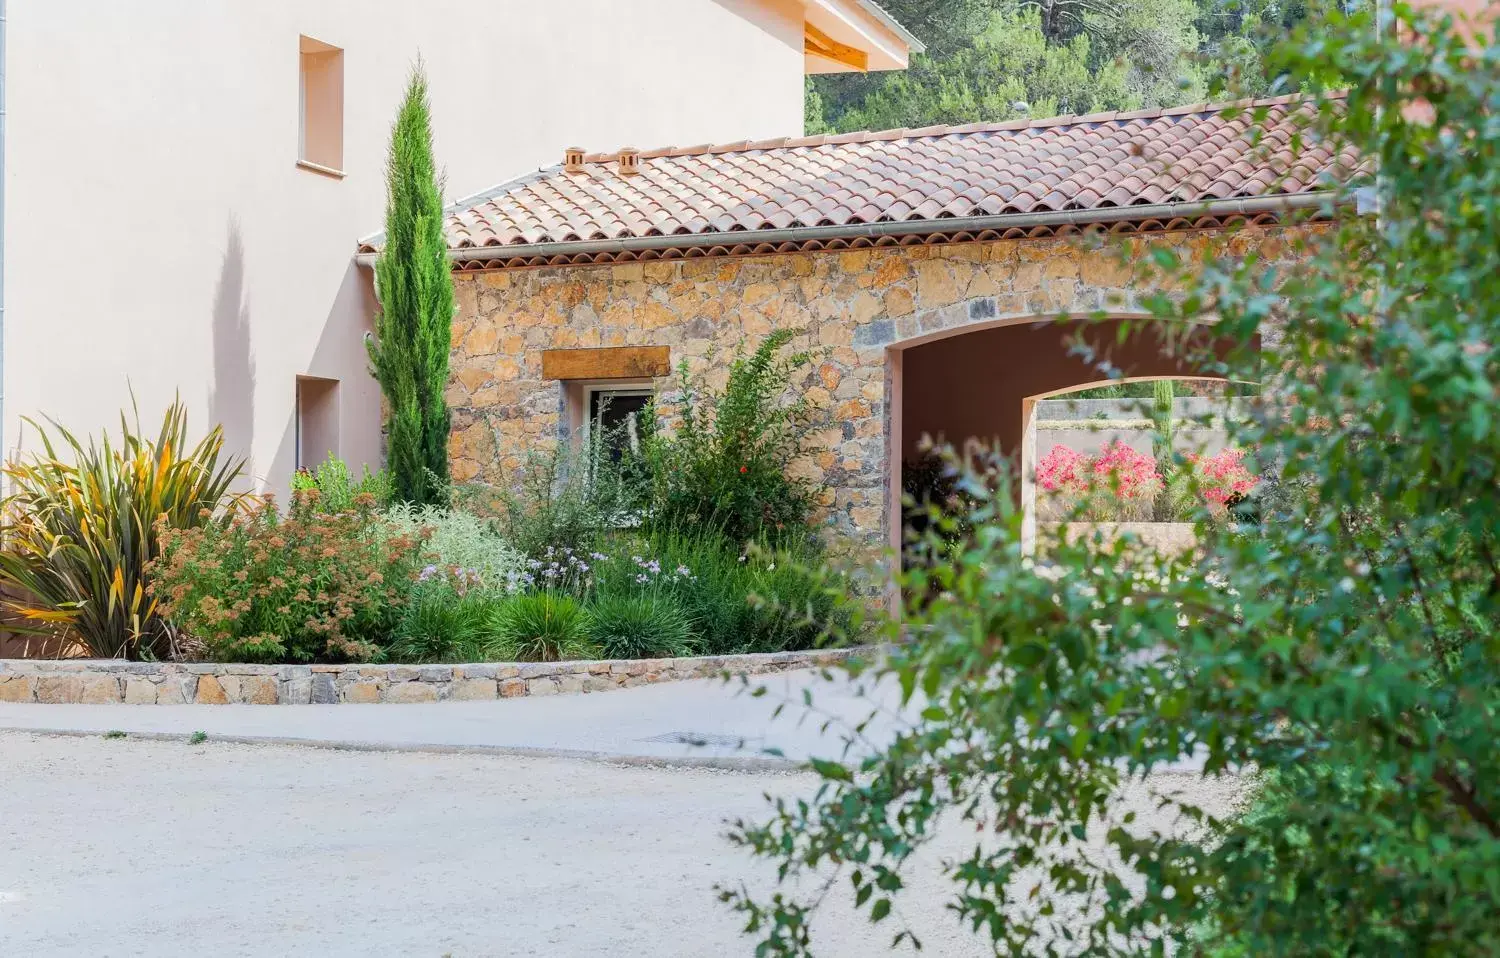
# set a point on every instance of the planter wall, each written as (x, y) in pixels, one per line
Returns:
(100, 681)
(1166, 538)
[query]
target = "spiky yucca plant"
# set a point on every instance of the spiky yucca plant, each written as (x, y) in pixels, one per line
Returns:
(78, 528)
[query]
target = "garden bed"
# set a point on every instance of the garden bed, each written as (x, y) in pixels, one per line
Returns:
(110, 681)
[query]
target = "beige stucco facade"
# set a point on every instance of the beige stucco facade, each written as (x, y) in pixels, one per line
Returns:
(940, 340)
(161, 236)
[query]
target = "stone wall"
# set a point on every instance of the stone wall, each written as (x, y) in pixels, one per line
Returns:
(852, 307)
(95, 681)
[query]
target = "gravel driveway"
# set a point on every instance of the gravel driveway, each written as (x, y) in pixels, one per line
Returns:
(128, 847)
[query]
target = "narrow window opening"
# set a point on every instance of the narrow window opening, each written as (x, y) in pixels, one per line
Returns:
(320, 144)
(317, 420)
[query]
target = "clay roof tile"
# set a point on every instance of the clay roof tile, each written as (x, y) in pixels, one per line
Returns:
(1100, 161)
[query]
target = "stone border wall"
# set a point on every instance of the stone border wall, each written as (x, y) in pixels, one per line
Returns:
(102, 681)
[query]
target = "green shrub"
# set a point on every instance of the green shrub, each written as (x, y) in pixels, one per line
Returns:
(460, 543)
(83, 525)
(639, 627)
(569, 497)
(307, 586)
(337, 488)
(724, 468)
(752, 600)
(414, 287)
(544, 627)
(1348, 647)
(442, 624)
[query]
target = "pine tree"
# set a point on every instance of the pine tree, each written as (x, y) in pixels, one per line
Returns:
(413, 332)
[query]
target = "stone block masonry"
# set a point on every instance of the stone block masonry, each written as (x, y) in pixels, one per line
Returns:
(109, 681)
(851, 308)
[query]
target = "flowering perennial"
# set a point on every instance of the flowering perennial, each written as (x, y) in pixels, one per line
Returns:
(1118, 483)
(1132, 476)
(1122, 483)
(257, 586)
(1223, 479)
(1063, 470)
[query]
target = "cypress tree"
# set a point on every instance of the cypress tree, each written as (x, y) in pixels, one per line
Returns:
(413, 331)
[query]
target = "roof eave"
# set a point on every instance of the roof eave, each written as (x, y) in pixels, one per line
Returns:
(892, 24)
(1313, 201)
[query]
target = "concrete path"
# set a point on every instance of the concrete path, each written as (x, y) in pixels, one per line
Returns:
(709, 722)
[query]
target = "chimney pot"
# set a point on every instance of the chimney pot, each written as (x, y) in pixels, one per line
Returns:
(573, 159)
(630, 161)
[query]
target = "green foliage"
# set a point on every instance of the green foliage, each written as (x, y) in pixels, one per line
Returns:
(413, 331)
(81, 527)
(337, 488)
(738, 600)
(643, 626)
(258, 586)
(725, 467)
(994, 60)
(568, 497)
(444, 624)
(545, 627)
(1349, 648)
(1175, 496)
(1008, 71)
(461, 544)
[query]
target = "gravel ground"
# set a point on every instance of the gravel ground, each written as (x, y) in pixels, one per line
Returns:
(115, 847)
(120, 847)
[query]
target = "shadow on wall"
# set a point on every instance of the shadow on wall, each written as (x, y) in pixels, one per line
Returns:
(231, 399)
(339, 355)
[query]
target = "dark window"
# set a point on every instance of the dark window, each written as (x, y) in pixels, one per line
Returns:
(616, 417)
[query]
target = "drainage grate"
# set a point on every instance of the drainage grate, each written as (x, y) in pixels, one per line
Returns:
(703, 740)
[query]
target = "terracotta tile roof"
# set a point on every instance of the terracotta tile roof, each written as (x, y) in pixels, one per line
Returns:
(1102, 162)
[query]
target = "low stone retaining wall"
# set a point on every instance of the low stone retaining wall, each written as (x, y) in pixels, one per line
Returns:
(1167, 538)
(101, 681)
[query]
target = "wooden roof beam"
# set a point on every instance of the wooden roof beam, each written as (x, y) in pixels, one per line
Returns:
(819, 44)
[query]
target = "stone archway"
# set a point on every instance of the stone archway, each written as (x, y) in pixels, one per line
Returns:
(978, 378)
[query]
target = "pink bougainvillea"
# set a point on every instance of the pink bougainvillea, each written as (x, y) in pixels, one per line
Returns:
(1223, 478)
(1063, 470)
(1129, 474)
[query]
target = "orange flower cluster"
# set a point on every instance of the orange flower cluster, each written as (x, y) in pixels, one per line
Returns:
(257, 585)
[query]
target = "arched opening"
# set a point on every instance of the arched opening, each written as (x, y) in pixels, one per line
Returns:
(981, 385)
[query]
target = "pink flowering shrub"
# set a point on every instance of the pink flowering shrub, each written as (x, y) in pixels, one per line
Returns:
(1120, 483)
(1123, 485)
(1063, 471)
(1222, 479)
(1128, 476)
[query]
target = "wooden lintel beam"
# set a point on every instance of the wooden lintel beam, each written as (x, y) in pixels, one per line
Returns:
(612, 362)
(819, 44)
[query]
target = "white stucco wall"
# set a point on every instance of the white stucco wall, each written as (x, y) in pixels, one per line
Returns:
(159, 234)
